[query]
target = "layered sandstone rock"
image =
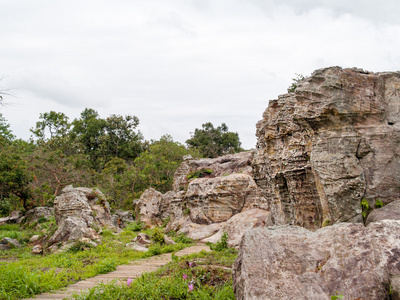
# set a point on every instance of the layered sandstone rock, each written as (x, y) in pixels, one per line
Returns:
(333, 142)
(222, 188)
(291, 262)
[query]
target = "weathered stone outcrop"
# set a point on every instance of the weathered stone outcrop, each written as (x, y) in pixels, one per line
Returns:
(291, 262)
(76, 211)
(83, 203)
(328, 145)
(37, 213)
(224, 188)
(72, 229)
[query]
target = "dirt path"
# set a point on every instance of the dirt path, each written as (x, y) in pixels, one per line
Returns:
(123, 272)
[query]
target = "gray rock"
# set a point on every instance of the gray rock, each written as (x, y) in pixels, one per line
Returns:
(148, 207)
(168, 240)
(290, 262)
(142, 239)
(10, 242)
(214, 238)
(72, 229)
(240, 223)
(37, 213)
(390, 211)
(205, 231)
(14, 217)
(34, 238)
(37, 249)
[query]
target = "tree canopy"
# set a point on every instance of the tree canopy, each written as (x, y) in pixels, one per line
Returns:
(213, 142)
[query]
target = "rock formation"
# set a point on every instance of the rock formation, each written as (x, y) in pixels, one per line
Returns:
(207, 193)
(331, 143)
(291, 262)
(76, 211)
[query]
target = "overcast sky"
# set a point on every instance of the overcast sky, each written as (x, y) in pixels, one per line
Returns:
(180, 63)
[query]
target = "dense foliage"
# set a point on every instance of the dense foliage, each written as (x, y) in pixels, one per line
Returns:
(213, 142)
(108, 153)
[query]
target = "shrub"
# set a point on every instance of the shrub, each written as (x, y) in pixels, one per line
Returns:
(222, 244)
(158, 236)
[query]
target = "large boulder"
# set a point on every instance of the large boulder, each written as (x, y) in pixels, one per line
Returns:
(220, 166)
(73, 229)
(291, 262)
(237, 225)
(214, 200)
(148, 207)
(83, 203)
(328, 145)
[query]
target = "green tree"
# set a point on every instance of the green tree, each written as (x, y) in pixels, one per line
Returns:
(54, 124)
(53, 170)
(103, 139)
(122, 182)
(14, 173)
(5, 131)
(213, 142)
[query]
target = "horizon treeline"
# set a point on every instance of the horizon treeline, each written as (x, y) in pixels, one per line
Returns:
(107, 153)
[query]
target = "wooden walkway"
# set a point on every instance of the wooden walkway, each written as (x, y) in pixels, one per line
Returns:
(123, 272)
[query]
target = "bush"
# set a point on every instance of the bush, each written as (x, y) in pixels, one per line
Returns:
(158, 236)
(5, 208)
(222, 244)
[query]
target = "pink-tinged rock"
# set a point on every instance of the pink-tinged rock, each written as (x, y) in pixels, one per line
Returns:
(328, 145)
(237, 225)
(290, 262)
(214, 200)
(205, 231)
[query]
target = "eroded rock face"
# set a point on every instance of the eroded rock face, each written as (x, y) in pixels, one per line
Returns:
(83, 203)
(148, 207)
(330, 144)
(214, 200)
(72, 229)
(290, 262)
(226, 190)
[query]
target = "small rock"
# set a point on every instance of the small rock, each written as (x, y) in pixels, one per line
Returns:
(88, 241)
(34, 238)
(10, 242)
(37, 249)
(136, 247)
(53, 248)
(142, 239)
(168, 240)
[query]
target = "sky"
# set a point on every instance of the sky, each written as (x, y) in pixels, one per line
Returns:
(180, 63)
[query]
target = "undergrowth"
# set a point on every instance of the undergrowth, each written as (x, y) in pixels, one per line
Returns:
(204, 275)
(23, 274)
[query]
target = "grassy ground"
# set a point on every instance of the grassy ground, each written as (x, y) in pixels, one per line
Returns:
(204, 275)
(23, 274)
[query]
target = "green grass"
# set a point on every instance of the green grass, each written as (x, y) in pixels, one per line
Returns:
(205, 270)
(25, 274)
